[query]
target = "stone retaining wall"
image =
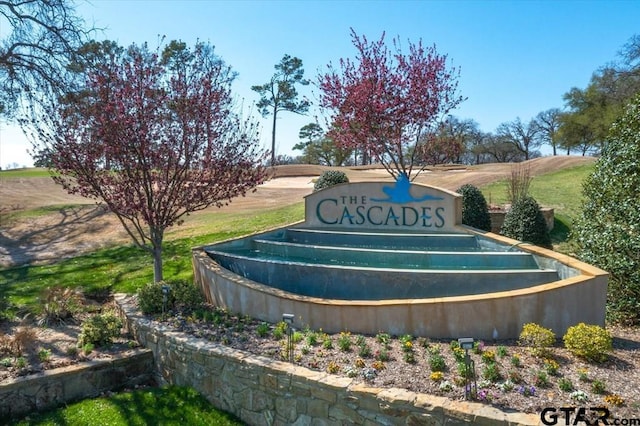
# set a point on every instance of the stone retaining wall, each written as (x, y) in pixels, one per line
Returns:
(262, 391)
(53, 388)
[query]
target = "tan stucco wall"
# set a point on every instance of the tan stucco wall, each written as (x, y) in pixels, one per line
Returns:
(556, 305)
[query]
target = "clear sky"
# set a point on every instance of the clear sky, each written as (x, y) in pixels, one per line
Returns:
(517, 58)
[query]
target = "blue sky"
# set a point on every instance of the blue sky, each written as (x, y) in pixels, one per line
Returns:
(517, 58)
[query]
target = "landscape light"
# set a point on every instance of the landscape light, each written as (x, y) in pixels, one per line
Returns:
(288, 318)
(466, 343)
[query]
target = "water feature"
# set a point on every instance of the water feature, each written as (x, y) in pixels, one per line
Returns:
(374, 256)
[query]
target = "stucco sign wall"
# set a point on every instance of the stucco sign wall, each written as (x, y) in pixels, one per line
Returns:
(399, 206)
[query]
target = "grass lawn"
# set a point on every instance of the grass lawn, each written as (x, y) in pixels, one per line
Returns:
(170, 405)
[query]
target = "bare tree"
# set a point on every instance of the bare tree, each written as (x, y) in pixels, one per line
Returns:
(41, 41)
(548, 123)
(523, 136)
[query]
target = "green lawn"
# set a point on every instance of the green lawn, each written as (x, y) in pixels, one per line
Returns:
(171, 405)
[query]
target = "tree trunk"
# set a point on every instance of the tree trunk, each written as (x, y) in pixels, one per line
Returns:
(273, 139)
(157, 258)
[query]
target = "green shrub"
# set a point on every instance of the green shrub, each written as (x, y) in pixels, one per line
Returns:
(606, 232)
(181, 294)
(537, 338)
(100, 330)
(590, 342)
(525, 222)
(186, 294)
(475, 212)
(150, 298)
(330, 178)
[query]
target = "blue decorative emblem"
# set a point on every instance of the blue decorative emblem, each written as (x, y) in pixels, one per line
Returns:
(400, 193)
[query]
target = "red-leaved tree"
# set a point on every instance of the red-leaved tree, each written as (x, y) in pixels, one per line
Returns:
(386, 103)
(155, 137)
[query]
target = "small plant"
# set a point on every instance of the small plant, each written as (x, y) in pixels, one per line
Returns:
(151, 299)
(478, 347)
(590, 342)
(527, 390)
(551, 366)
(360, 363)
(515, 361)
(514, 375)
(100, 329)
(436, 362)
(409, 357)
(59, 305)
(330, 178)
(378, 365)
(436, 376)
(344, 341)
(614, 400)
(312, 338)
(491, 372)
(541, 379)
(327, 343)
(351, 372)
(262, 329)
(364, 351)
(599, 387)
(296, 337)
(44, 355)
(445, 386)
(458, 353)
(384, 339)
(565, 384)
(305, 350)
(72, 350)
(382, 355)
(369, 374)
(333, 367)
(488, 357)
(579, 396)
(538, 339)
(583, 375)
(279, 330)
(21, 362)
(23, 340)
(507, 385)
(360, 340)
(6, 362)
(501, 351)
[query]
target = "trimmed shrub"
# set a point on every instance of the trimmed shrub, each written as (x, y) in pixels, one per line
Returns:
(100, 330)
(330, 178)
(590, 342)
(525, 222)
(150, 298)
(181, 294)
(475, 212)
(607, 230)
(537, 338)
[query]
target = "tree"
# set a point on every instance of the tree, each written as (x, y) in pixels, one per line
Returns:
(449, 143)
(43, 38)
(385, 103)
(606, 231)
(548, 123)
(280, 94)
(166, 124)
(592, 111)
(318, 148)
(523, 136)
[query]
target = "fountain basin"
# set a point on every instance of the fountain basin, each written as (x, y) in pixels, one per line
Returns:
(435, 278)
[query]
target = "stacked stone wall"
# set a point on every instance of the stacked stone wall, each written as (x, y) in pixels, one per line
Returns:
(263, 391)
(29, 394)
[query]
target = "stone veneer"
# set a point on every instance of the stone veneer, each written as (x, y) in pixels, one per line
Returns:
(263, 391)
(52, 388)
